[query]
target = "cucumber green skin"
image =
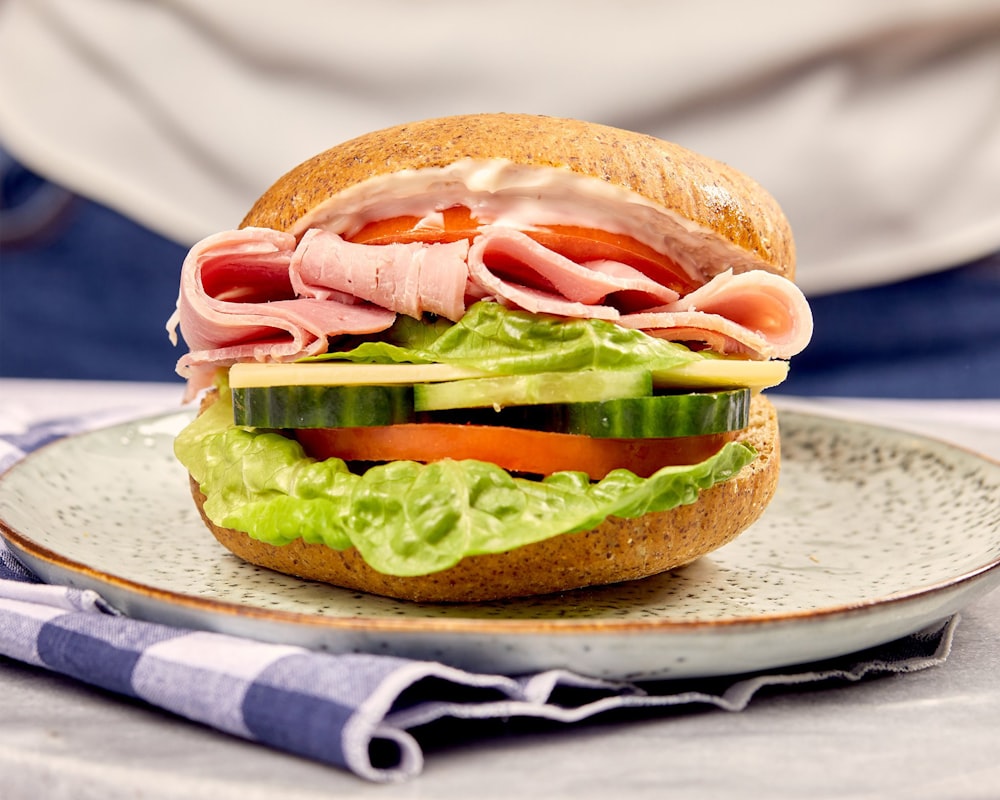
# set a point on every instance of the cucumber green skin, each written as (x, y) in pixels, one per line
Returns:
(657, 416)
(322, 406)
(651, 417)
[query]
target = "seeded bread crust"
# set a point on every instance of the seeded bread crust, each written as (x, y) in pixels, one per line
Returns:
(712, 194)
(617, 550)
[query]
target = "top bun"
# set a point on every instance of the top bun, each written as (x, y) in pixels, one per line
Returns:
(709, 193)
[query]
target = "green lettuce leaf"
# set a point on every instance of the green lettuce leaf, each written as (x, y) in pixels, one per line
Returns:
(496, 339)
(407, 518)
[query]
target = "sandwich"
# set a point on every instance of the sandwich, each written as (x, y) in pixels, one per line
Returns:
(489, 356)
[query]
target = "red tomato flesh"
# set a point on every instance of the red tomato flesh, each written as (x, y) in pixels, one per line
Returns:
(513, 449)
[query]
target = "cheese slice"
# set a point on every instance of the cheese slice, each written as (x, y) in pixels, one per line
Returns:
(331, 373)
(719, 373)
(708, 373)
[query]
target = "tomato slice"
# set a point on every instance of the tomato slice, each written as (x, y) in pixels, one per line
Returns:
(572, 241)
(514, 449)
(457, 223)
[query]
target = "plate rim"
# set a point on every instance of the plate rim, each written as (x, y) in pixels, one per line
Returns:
(23, 545)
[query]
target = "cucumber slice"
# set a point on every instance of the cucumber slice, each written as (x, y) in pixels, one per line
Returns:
(658, 416)
(538, 388)
(322, 406)
(665, 415)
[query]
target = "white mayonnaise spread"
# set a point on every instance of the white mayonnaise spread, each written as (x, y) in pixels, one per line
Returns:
(500, 192)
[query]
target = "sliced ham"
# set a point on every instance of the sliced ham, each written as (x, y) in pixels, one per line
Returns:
(640, 288)
(521, 272)
(410, 278)
(256, 294)
(756, 312)
(703, 331)
(236, 302)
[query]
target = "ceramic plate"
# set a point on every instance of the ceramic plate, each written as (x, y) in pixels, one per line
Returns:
(874, 534)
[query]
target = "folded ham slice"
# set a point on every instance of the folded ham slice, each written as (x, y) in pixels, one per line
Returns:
(257, 294)
(754, 313)
(515, 268)
(237, 303)
(409, 278)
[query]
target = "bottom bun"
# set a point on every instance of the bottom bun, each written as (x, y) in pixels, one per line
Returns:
(615, 551)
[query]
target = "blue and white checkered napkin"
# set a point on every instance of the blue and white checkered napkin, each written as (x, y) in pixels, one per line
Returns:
(364, 713)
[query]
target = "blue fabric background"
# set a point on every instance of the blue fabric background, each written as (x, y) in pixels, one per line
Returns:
(85, 293)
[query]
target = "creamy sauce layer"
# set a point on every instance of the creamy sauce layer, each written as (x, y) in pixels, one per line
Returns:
(500, 192)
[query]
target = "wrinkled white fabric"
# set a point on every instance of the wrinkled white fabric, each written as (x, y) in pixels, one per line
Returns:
(876, 125)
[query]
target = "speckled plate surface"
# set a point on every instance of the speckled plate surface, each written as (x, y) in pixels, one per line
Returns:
(874, 534)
